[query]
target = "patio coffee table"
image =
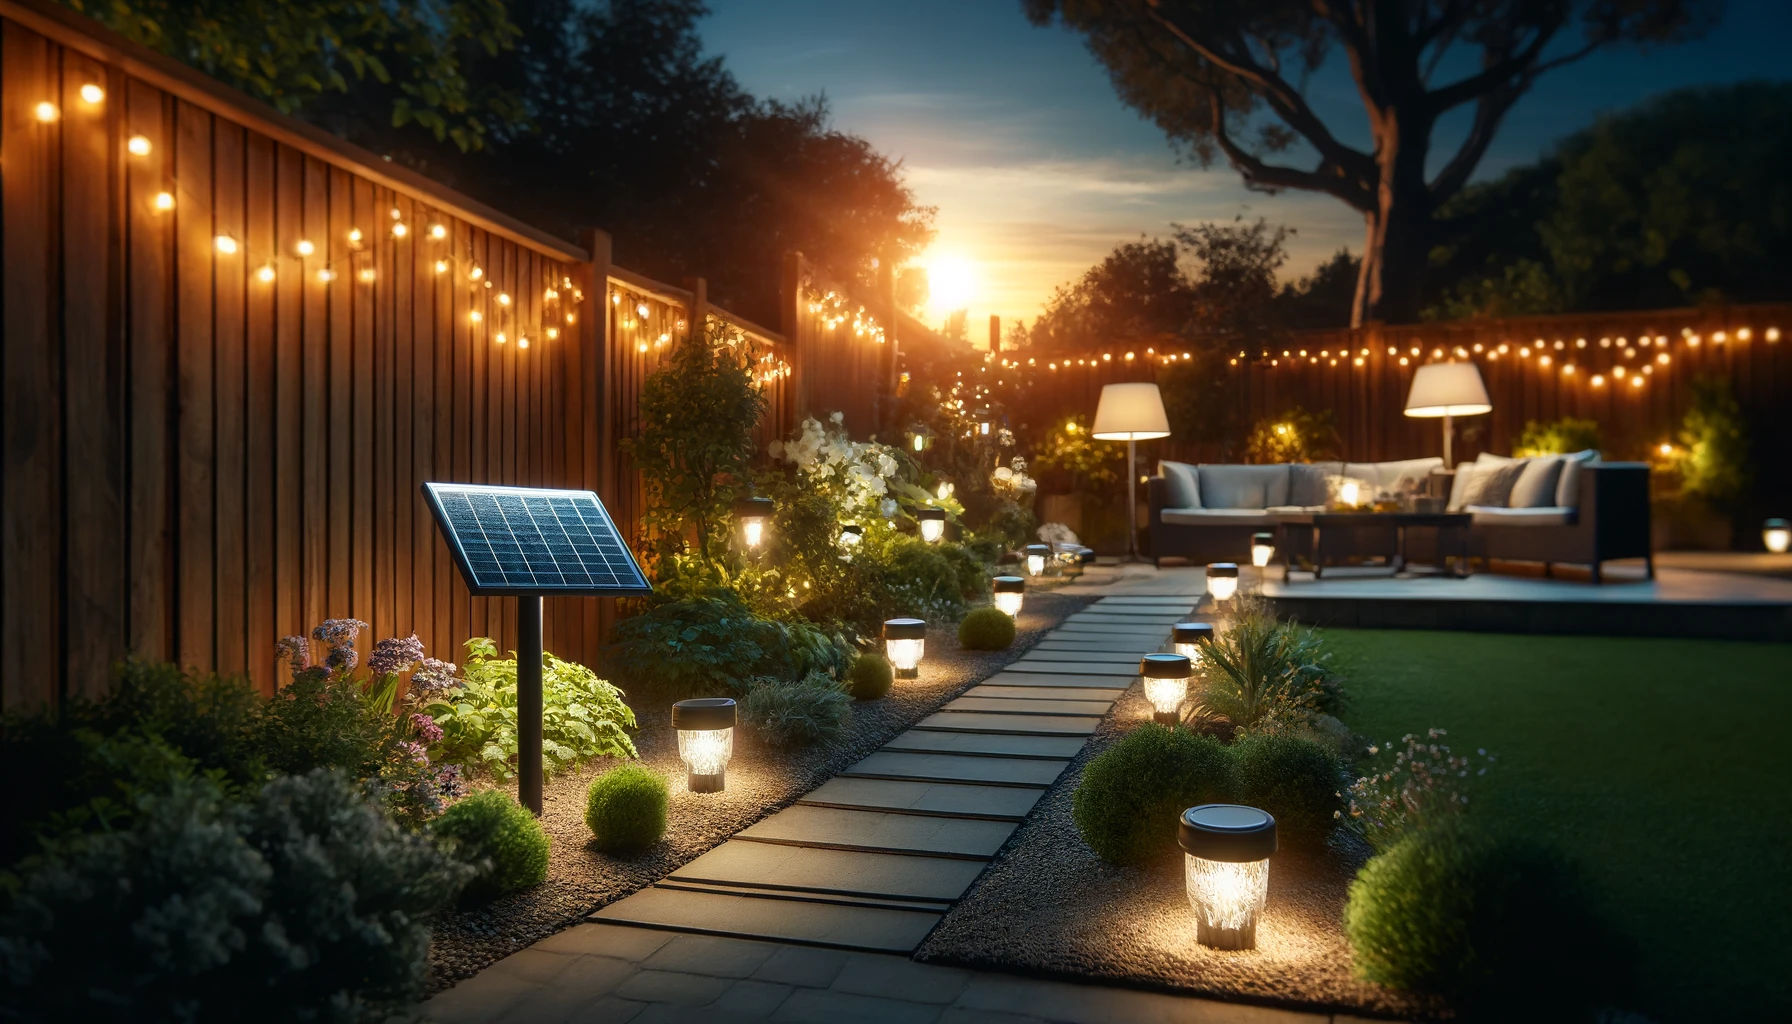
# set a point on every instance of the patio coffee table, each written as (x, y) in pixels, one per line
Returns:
(1321, 536)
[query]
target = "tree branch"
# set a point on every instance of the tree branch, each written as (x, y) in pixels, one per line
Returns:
(1490, 110)
(1500, 72)
(1328, 178)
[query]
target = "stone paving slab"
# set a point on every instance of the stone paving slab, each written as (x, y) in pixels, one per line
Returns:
(1046, 679)
(1113, 629)
(1126, 657)
(1123, 619)
(1129, 668)
(872, 928)
(1131, 646)
(985, 744)
(1046, 693)
(1022, 706)
(1004, 803)
(807, 896)
(846, 872)
(880, 831)
(1181, 600)
(999, 771)
(1042, 725)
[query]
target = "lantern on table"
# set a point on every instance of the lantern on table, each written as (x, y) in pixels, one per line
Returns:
(1187, 638)
(1226, 866)
(1222, 580)
(905, 641)
(1166, 685)
(1008, 592)
(705, 728)
(752, 515)
(933, 524)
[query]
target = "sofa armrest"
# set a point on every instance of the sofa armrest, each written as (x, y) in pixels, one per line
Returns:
(1614, 505)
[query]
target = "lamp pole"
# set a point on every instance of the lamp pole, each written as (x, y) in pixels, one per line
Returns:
(1132, 500)
(1448, 430)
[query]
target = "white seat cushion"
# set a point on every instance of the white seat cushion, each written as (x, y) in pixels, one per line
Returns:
(1218, 517)
(1498, 515)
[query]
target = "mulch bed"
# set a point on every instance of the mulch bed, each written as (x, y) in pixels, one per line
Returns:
(760, 781)
(1049, 906)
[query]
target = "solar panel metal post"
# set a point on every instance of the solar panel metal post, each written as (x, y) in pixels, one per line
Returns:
(528, 703)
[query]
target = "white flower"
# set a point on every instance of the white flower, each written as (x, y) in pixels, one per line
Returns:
(838, 417)
(775, 449)
(1004, 474)
(888, 508)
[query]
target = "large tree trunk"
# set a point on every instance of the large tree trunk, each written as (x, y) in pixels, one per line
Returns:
(1396, 241)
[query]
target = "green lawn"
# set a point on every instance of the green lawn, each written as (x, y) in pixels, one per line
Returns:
(1664, 766)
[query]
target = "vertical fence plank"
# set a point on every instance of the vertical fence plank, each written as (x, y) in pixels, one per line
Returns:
(290, 392)
(229, 277)
(196, 535)
(338, 467)
(149, 355)
(261, 436)
(362, 546)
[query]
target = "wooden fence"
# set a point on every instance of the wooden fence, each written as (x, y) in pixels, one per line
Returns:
(233, 347)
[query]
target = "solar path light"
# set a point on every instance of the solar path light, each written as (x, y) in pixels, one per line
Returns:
(705, 728)
(1187, 638)
(1263, 545)
(905, 641)
(1227, 848)
(1037, 555)
(1008, 592)
(933, 524)
(1166, 684)
(1222, 580)
(752, 515)
(1777, 535)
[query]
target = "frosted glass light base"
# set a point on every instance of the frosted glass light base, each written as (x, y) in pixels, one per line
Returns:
(1222, 587)
(1778, 541)
(1008, 603)
(932, 530)
(1166, 697)
(705, 753)
(1260, 554)
(1190, 651)
(905, 657)
(1227, 899)
(1035, 565)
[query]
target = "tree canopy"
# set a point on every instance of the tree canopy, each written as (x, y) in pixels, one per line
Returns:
(1228, 77)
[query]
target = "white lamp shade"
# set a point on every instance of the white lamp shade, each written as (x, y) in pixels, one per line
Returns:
(1447, 389)
(1130, 412)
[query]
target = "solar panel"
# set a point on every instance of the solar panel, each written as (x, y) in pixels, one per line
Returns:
(522, 541)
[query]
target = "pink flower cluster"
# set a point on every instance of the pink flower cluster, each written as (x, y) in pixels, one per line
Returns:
(425, 727)
(393, 655)
(1421, 784)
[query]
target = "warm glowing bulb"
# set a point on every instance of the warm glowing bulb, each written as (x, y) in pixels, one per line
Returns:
(1009, 602)
(92, 93)
(438, 232)
(503, 299)
(1166, 695)
(552, 333)
(905, 656)
(1035, 565)
(1222, 580)
(932, 530)
(1665, 449)
(139, 145)
(476, 273)
(46, 112)
(441, 266)
(354, 236)
(752, 531)
(326, 275)
(305, 248)
(266, 273)
(475, 316)
(522, 342)
(500, 338)
(1350, 493)
(1777, 536)
(367, 273)
(1260, 554)
(705, 751)
(225, 244)
(399, 230)
(571, 318)
(164, 200)
(920, 442)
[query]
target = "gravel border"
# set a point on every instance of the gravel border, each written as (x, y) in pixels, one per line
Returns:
(581, 879)
(1049, 906)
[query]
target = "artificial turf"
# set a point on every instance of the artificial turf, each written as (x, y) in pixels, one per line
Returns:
(1663, 766)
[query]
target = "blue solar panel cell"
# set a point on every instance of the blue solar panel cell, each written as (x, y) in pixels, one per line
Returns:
(522, 540)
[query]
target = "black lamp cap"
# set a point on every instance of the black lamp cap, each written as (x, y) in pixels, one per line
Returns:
(905, 629)
(1039, 549)
(753, 508)
(704, 713)
(1223, 569)
(1777, 524)
(1190, 632)
(1232, 833)
(930, 512)
(1165, 666)
(852, 528)
(1008, 585)
(1263, 538)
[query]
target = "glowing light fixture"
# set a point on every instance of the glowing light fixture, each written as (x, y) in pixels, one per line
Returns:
(1777, 535)
(164, 201)
(905, 641)
(752, 514)
(139, 145)
(304, 248)
(1187, 637)
(1008, 592)
(225, 244)
(933, 524)
(438, 232)
(1222, 580)
(1131, 413)
(1447, 390)
(46, 112)
(1166, 685)
(1226, 866)
(1037, 556)
(92, 93)
(705, 728)
(1263, 545)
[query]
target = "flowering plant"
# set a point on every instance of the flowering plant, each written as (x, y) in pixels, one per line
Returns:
(1423, 782)
(1012, 483)
(865, 479)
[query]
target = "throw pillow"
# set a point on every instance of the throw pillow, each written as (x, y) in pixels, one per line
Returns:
(1307, 485)
(1536, 484)
(1492, 483)
(1465, 471)
(1183, 484)
(1568, 488)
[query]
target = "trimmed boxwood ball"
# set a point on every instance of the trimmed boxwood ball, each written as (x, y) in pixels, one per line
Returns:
(1495, 925)
(986, 629)
(1297, 780)
(626, 809)
(871, 677)
(500, 839)
(1132, 793)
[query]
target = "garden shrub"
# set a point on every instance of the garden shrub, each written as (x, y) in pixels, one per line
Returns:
(1132, 794)
(700, 647)
(986, 629)
(786, 714)
(918, 580)
(871, 677)
(972, 572)
(306, 903)
(1261, 671)
(1499, 926)
(500, 839)
(1294, 779)
(626, 809)
(582, 716)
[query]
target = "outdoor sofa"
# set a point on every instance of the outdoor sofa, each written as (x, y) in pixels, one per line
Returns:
(1559, 508)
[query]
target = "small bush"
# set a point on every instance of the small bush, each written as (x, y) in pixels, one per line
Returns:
(986, 629)
(1295, 779)
(500, 839)
(871, 677)
(797, 714)
(1132, 794)
(1498, 926)
(626, 809)
(972, 571)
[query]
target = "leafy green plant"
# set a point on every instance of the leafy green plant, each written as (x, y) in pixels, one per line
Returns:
(1132, 793)
(499, 839)
(304, 903)
(1472, 917)
(1556, 437)
(1295, 779)
(1261, 672)
(1711, 459)
(714, 644)
(986, 629)
(582, 716)
(625, 809)
(871, 677)
(787, 714)
(1295, 436)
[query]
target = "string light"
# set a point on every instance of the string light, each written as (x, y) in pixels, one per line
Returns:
(522, 342)
(399, 230)
(366, 273)
(354, 236)
(266, 273)
(552, 333)
(326, 275)
(500, 339)
(305, 248)
(164, 201)
(139, 145)
(1599, 380)
(441, 266)
(475, 316)
(503, 299)
(476, 273)
(46, 112)
(438, 232)
(225, 244)
(92, 93)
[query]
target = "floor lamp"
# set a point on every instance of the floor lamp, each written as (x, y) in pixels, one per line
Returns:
(1447, 390)
(1131, 413)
